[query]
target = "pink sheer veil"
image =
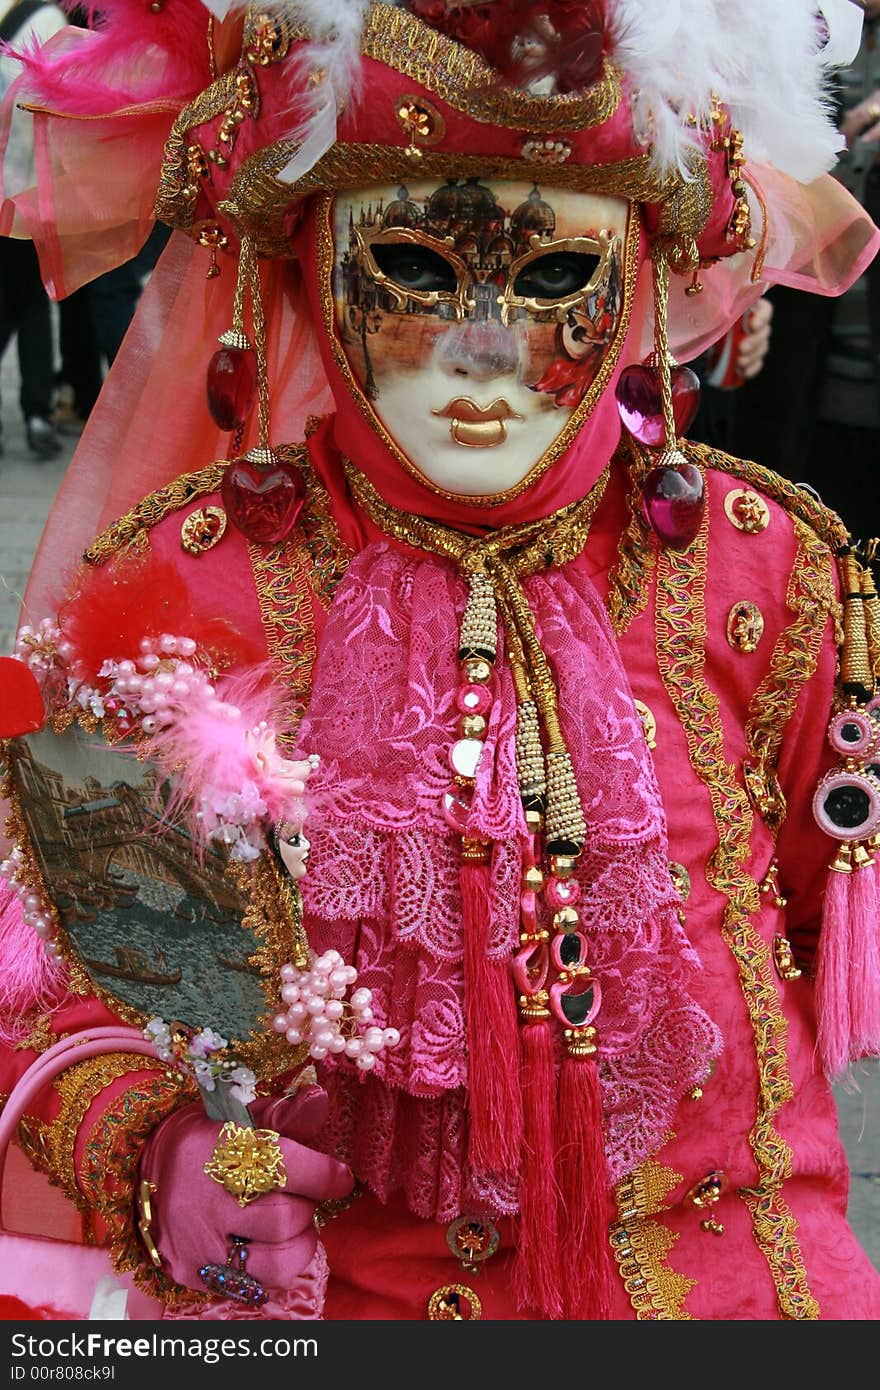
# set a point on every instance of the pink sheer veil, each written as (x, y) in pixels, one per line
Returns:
(151, 422)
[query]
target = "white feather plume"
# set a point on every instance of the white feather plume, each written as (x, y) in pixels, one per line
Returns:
(763, 58)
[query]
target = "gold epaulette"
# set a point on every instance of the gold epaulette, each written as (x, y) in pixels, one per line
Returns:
(798, 502)
(129, 532)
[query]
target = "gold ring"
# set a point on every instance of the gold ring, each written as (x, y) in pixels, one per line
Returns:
(873, 112)
(248, 1163)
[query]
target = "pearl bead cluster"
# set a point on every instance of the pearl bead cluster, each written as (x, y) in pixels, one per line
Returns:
(35, 911)
(42, 648)
(162, 680)
(319, 1013)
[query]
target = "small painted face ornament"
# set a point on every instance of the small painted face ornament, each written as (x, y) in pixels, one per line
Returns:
(476, 319)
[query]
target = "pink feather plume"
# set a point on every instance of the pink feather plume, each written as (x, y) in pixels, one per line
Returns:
(222, 761)
(31, 980)
(133, 55)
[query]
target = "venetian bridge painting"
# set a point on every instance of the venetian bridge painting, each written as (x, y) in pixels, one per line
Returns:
(155, 923)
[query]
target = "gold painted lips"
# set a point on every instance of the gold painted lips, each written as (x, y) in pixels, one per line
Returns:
(477, 426)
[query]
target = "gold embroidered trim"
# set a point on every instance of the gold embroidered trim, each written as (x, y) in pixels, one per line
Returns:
(184, 163)
(797, 502)
(795, 657)
(681, 633)
(52, 1146)
(629, 580)
(129, 531)
(178, 191)
(259, 201)
(110, 1171)
(641, 1246)
(311, 562)
(459, 77)
(569, 430)
(41, 1037)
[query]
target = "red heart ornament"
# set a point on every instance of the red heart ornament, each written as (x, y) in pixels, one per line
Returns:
(21, 701)
(640, 402)
(673, 501)
(263, 499)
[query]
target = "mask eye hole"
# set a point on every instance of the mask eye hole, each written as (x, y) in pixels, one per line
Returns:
(416, 268)
(556, 275)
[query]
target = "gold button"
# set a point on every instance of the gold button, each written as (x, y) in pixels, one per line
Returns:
(783, 959)
(649, 723)
(681, 880)
(709, 1190)
(454, 1303)
(202, 530)
(745, 626)
(747, 511)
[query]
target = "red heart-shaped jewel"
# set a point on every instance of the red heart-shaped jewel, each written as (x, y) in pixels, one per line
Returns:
(21, 701)
(673, 501)
(640, 402)
(263, 499)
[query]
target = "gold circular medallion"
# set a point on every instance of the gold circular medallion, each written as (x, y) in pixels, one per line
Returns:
(745, 626)
(202, 530)
(454, 1303)
(747, 511)
(649, 723)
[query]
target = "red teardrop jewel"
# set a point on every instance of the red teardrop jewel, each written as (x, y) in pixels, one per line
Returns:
(232, 380)
(640, 402)
(673, 501)
(263, 496)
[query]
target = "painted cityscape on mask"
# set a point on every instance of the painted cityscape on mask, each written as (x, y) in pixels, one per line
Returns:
(464, 249)
(155, 923)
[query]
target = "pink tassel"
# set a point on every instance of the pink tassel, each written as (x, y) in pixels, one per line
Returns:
(864, 964)
(536, 1273)
(495, 1101)
(832, 978)
(30, 980)
(585, 1254)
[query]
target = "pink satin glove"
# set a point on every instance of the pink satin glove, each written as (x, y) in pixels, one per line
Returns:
(194, 1218)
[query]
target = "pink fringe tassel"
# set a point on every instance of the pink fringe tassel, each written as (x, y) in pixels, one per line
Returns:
(30, 980)
(494, 1097)
(864, 965)
(585, 1254)
(832, 979)
(536, 1273)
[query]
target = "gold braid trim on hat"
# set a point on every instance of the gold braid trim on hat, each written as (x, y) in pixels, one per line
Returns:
(494, 567)
(454, 73)
(259, 200)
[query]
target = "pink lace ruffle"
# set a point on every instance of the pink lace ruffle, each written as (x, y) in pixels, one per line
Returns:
(383, 881)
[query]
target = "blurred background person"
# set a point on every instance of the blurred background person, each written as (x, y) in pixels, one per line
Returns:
(812, 412)
(25, 311)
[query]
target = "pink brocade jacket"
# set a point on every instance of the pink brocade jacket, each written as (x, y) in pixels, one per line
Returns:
(730, 648)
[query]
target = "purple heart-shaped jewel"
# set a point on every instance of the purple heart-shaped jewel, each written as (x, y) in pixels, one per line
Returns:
(640, 402)
(673, 502)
